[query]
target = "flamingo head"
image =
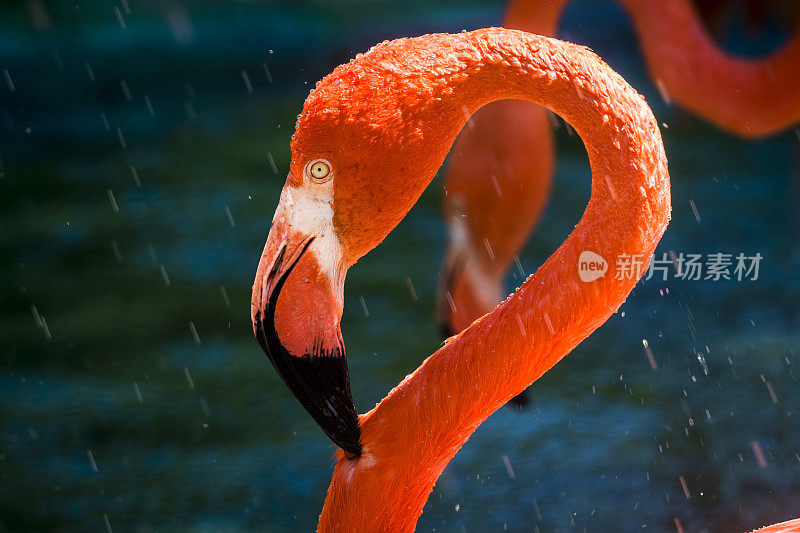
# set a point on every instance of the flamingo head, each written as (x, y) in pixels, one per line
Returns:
(367, 143)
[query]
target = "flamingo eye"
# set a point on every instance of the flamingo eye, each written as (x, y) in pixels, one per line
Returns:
(319, 170)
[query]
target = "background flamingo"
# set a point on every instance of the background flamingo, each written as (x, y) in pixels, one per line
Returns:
(370, 138)
(499, 177)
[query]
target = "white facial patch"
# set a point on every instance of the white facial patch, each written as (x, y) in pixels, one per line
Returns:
(309, 211)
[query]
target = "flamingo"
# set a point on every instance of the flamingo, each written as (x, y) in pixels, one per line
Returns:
(370, 138)
(499, 177)
(790, 526)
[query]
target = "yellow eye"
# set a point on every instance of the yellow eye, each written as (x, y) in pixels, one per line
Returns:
(319, 170)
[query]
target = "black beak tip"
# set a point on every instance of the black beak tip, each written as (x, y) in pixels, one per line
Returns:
(323, 387)
(321, 383)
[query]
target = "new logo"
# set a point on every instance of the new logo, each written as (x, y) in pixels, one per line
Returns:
(591, 266)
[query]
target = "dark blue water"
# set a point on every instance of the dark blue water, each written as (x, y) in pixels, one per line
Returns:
(140, 170)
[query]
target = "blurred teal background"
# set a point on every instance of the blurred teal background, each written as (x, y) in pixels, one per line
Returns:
(143, 145)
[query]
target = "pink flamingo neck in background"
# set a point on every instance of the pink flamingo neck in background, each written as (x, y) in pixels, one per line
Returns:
(748, 97)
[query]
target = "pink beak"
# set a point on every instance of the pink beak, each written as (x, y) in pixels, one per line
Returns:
(295, 309)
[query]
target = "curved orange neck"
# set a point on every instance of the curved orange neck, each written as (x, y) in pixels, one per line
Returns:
(748, 97)
(415, 431)
(790, 526)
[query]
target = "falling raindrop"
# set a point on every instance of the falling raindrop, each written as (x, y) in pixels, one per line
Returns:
(694, 210)
(135, 176)
(272, 163)
(188, 377)
(702, 360)
(411, 290)
(195, 336)
(507, 464)
(247, 83)
(90, 72)
(650, 358)
(164, 275)
(8, 80)
(126, 90)
(225, 295)
(759, 454)
(120, 19)
(92, 463)
(113, 200)
(116, 250)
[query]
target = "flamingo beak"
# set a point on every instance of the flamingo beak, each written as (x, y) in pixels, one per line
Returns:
(296, 309)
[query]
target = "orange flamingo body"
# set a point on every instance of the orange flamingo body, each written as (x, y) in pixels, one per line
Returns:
(370, 138)
(790, 526)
